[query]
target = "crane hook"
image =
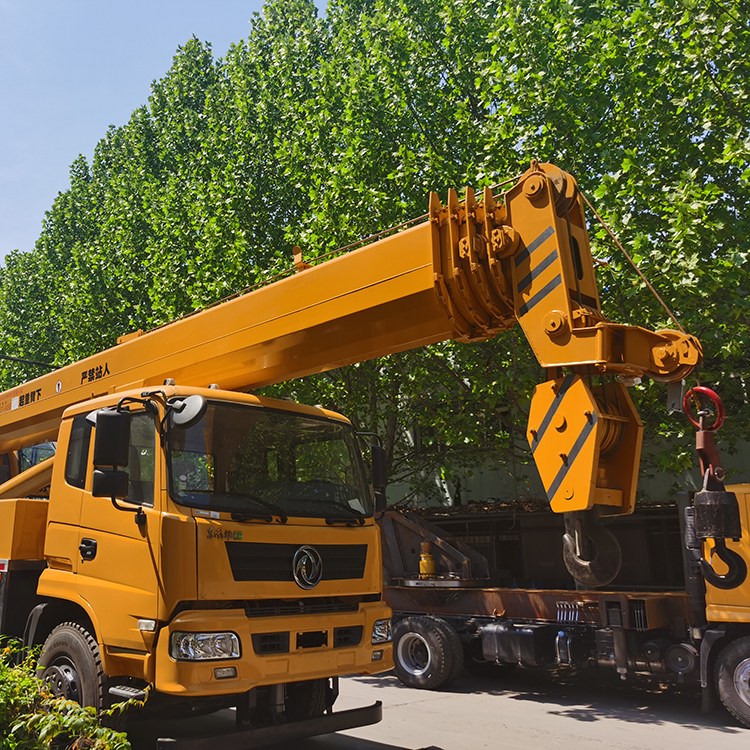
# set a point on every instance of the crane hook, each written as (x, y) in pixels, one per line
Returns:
(737, 568)
(716, 512)
(591, 552)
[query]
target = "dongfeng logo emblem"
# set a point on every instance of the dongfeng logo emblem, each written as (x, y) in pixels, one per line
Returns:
(307, 567)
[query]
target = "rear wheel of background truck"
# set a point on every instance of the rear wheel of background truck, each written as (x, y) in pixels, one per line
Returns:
(732, 672)
(427, 652)
(71, 665)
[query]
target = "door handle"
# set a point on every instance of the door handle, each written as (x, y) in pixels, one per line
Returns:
(87, 548)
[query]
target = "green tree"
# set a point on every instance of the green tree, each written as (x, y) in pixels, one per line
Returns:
(321, 131)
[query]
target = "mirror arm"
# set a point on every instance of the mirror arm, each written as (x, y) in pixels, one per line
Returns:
(374, 435)
(149, 401)
(140, 516)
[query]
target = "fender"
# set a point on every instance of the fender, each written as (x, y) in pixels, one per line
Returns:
(32, 623)
(710, 638)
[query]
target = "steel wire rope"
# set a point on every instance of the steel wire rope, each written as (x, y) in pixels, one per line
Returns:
(638, 271)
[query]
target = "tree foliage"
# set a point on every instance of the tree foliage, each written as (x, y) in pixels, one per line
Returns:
(319, 131)
(33, 719)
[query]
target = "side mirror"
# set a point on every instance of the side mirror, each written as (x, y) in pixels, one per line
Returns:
(111, 483)
(112, 441)
(111, 448)
(187, 412)
(379, 475)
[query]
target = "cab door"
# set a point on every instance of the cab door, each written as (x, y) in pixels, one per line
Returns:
(68, 486)
(118, 561)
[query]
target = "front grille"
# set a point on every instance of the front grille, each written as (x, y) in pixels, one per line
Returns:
(258, 561)
(271, 643)
(348, 636)
(278, 643)
(290, 607)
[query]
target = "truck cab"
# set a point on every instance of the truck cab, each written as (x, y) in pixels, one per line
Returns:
(239, 561)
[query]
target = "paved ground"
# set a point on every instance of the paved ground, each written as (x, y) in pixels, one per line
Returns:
(522, 711)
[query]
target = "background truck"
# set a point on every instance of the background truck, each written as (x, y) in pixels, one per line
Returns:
(238, 561)
(450, 614)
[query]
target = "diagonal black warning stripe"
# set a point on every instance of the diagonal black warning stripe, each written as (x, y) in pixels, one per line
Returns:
(539, 296)
(564, 387)
(533, 245)
(534, 273)
(574, 451)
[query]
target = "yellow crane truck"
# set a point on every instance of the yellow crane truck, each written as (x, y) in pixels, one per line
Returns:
(450, 613)
(220, 548)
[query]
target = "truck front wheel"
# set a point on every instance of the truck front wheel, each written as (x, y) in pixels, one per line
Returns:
(427, 652)
(70, 663)
(306, 700)
(732, 672)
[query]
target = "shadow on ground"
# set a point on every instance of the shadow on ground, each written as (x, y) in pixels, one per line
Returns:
(145, 733)
(591, 695)
(584, 696)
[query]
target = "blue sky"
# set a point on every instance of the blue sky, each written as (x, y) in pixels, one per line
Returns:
(71, 68)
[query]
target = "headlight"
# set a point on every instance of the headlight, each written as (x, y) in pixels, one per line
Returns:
(202, 646)
(381, 631)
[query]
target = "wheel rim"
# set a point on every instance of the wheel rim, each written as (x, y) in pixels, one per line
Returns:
(63, 680)
(742, 680)
(414, 654)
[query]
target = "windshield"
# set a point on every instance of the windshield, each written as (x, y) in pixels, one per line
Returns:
(258, 461)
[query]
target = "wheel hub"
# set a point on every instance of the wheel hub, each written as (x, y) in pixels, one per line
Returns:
(414, 654)
(63, 681)
(742, 680)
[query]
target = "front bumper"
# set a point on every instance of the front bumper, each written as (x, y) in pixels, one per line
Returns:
(243, 738)
(299, 662)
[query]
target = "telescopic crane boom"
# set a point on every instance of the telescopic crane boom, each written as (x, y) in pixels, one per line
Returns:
(472, 268)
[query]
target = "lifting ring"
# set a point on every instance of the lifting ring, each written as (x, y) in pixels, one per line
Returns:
(691, 397)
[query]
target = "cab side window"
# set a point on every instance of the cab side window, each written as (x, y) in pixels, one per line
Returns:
(31, 455)
(5, 469)
(76, 462)
(141, 459)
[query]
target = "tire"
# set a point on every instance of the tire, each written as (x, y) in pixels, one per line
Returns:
(305, 700)
(427, 652)
(732, 674)
(71, 665)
